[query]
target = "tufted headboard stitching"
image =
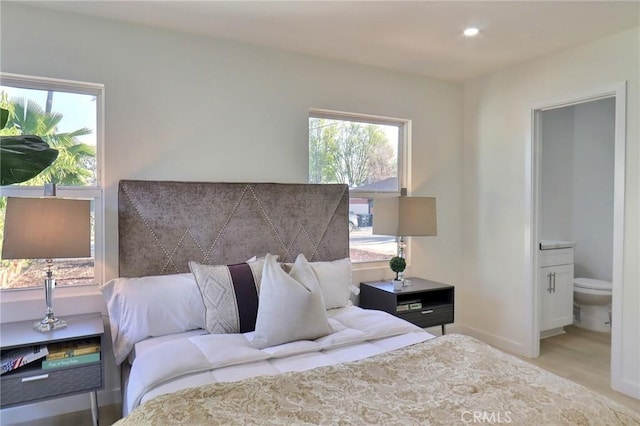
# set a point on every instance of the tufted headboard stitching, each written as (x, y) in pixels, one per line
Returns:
(163, 225)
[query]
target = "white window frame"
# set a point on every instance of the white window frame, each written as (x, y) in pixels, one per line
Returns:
(404, 148)
(94, 192)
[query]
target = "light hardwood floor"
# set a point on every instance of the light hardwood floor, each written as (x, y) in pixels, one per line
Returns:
(584, 357)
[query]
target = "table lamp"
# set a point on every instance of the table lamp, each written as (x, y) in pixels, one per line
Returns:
(47, 228)
(404, 217)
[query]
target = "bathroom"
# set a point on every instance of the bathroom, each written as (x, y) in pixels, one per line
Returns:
(576, 211)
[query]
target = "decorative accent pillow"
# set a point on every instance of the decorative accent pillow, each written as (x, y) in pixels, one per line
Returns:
(291, 305)
(230, 295)
(149, 307)
(335, 281)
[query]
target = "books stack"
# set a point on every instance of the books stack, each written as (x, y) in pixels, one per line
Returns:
(67, 354)
(409, 305)
(15, 358)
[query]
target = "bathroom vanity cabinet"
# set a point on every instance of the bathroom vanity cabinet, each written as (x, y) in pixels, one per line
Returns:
(555, 283)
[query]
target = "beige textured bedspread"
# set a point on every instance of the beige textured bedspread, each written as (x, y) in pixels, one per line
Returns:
(450, 380)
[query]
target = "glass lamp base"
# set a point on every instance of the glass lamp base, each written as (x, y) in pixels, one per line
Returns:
(48, 324)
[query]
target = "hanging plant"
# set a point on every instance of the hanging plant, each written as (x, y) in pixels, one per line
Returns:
(4, 117)
(23, 156)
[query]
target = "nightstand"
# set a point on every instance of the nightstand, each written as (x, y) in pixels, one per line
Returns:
(424, 303)
(31, 383)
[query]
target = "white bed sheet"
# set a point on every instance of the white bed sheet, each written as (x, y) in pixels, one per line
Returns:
(358, 334)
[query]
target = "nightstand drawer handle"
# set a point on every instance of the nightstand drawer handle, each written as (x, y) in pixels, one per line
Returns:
(430, 311)
(34, 378)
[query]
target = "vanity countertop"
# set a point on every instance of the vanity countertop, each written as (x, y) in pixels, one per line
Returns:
(556, 244)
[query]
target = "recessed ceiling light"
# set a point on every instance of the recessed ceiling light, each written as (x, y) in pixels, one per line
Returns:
(471, 31)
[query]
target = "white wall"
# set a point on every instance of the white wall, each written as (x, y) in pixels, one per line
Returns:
(576, 183)
(592, 199)
(185, 107)
(556, 174)
(497, 117)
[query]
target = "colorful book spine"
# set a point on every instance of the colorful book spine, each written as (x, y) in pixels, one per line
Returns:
(67, 353)
(16, 358)
(70, 361)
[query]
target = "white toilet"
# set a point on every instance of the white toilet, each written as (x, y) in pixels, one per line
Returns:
(592, 304)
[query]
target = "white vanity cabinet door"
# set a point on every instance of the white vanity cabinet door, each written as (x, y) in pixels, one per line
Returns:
(556, 285)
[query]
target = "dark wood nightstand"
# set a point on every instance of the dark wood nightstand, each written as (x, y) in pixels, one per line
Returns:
(424, 303)
(32, 383)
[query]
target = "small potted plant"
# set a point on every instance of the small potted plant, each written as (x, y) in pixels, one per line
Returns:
(398, 265)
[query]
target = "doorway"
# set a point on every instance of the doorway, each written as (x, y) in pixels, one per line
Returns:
(617, 93)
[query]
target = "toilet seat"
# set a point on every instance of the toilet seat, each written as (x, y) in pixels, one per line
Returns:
(591, 284)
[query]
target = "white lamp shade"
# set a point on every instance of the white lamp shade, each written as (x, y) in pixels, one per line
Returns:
(46, 228)
(405, 216)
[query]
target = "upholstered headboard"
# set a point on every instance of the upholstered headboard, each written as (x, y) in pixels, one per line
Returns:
(164, 225)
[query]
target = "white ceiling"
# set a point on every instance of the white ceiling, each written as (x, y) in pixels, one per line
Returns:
(419, 37)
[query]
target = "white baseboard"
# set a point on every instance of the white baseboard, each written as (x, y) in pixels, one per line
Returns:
(553, 332)
(506, 345)
(626, 387)
(56, 407)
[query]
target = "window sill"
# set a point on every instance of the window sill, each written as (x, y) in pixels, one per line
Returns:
(20, 305)
(369, 271)
(369, 266)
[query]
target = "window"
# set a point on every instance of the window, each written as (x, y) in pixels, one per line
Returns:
(68, 116)
(368, 154)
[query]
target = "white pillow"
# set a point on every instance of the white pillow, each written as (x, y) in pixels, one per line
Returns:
(335, 281)
(149, 307)
(291, 306)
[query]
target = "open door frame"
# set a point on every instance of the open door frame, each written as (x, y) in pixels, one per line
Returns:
(532, 185)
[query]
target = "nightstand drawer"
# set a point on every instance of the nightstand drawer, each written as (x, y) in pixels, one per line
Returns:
(42, 384)
(428, 317)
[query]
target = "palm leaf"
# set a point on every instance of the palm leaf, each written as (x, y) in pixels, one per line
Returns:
(82, 149)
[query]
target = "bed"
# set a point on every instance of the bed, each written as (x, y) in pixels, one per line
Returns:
(234, 306)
